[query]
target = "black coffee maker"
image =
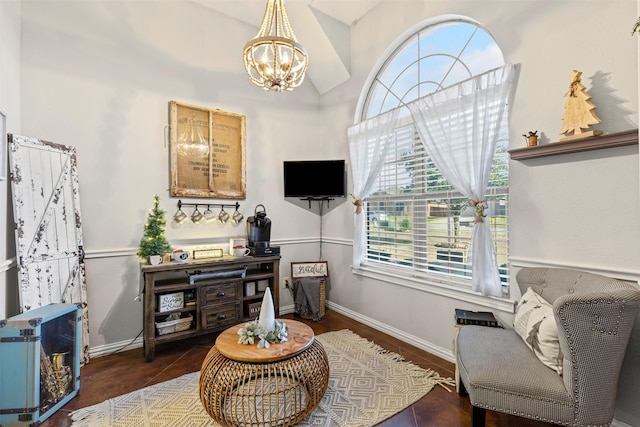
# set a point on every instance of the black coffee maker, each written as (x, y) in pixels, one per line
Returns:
(259, 234)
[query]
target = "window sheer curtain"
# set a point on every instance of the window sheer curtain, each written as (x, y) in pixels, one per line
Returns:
(459, 127)
(369, 142)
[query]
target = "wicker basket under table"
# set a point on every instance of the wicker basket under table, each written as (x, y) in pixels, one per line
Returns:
(318, 269)
(241, 385)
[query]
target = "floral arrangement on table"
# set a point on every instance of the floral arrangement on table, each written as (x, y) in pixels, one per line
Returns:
(253, 331)
(266, 329)
(357, 202)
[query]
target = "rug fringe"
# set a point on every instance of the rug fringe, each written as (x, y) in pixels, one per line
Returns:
(391, 356)
(92, 416)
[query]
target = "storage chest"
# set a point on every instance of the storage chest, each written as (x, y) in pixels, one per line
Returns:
(39, 363)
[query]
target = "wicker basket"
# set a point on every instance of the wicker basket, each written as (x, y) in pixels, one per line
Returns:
(172, 326)
(323, 296)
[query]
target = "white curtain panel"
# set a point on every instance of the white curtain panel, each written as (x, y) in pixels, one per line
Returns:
(368, 147)
(459, 127)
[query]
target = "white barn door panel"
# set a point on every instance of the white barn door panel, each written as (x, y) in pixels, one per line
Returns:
(48, 226)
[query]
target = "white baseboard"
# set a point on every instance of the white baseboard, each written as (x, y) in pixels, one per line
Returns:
(138, 342)
(104, 350)
(116, 347)
(441, 352)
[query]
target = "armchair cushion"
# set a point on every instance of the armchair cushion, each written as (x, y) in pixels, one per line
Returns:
(535, 324)
(501, 373)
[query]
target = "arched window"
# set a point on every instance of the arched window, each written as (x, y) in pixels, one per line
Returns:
(417, 223)
(428, 59)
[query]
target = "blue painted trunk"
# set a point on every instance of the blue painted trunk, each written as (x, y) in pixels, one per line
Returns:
(39, 363)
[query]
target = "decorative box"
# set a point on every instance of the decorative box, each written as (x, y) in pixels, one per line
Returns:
(249, 289)
(189, 297)
(40, 363)
(254, 309)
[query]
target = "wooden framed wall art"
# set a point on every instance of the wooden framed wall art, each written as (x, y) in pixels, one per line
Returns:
(207, 152)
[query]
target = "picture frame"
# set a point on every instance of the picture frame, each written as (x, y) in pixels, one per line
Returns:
(309, 269)
(3, 146)
(207, 152)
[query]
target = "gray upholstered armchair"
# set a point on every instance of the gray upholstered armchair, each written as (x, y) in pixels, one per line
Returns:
(594, 316)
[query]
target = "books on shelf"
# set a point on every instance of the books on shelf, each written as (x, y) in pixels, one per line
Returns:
(482, 318)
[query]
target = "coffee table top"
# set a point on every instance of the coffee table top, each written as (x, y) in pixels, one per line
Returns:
(300, 338)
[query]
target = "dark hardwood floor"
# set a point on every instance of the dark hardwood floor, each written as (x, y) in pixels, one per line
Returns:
(113, 375)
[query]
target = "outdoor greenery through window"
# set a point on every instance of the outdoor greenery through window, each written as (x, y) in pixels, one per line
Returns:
(416, 221)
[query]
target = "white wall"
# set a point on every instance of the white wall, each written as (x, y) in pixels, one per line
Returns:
(99, 75)
(576, 210)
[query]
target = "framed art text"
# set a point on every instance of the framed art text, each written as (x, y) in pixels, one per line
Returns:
(309, 269)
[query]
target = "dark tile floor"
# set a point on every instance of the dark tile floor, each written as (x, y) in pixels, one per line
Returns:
(109, 376)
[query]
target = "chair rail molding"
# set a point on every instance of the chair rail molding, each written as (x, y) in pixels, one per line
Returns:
(630, 275)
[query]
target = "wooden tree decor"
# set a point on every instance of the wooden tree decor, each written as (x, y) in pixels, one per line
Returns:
(579, 112)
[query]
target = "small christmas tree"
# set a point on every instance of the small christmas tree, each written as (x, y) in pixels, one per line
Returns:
(153, 242)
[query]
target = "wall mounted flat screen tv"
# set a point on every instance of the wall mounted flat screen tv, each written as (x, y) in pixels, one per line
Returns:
(315, 178)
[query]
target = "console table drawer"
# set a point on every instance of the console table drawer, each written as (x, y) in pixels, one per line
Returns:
(219, 317)
(219, 294)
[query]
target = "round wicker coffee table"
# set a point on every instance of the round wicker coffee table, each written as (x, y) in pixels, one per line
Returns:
(242, 385)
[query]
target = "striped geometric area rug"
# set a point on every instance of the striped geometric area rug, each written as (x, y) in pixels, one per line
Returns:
(367, 384)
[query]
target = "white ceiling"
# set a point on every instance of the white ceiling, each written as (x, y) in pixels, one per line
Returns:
(326, 68)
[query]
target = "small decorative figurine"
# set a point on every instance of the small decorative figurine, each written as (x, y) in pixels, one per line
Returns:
(531, 138)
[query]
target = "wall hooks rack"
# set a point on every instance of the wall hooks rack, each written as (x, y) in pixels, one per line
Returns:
(208, 214)
(215, 205)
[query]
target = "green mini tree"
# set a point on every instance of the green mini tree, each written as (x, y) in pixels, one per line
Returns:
(153, 241)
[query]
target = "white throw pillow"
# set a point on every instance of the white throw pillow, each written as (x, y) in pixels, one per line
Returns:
(535, 324)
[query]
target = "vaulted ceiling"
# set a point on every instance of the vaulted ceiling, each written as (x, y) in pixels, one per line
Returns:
(323, 38)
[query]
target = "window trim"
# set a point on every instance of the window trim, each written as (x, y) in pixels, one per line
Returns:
(399, 42)
(450, 288)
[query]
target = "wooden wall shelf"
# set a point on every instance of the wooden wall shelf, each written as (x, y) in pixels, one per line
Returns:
(618, 139)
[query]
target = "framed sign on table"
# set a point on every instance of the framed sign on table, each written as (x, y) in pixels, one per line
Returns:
(309, 269)
(207, 152)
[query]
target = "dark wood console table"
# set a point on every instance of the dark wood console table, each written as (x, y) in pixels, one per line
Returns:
(205, 306)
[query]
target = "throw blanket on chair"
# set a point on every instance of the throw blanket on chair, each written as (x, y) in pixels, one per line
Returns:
(306, 296)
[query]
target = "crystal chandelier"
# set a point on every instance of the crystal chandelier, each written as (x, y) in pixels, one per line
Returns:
(274, 59)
